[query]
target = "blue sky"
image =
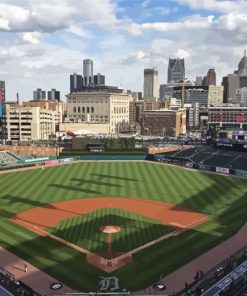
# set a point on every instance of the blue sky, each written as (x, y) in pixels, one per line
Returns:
(42, 42)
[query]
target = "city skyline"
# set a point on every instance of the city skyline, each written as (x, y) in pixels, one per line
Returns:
(49, 42)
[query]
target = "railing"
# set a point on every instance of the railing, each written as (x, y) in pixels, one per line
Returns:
(206, 280)
(14, 286)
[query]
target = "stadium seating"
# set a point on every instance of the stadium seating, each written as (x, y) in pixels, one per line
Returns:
(20, 156)
(185, 153)
(12, 157)
(213, 157)
(200, 156)
(218, 160)
(240, 163)
(6, 158)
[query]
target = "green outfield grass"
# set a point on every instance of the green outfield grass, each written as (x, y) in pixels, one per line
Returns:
(224, 199)
(84, 230)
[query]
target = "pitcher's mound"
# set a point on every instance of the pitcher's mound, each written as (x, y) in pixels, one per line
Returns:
(110, 229)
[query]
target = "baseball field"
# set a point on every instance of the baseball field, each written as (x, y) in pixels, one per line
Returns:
(42, 209)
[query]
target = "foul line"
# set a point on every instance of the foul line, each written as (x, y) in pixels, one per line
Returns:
(42, 232)
(24, 235)
(193, 235)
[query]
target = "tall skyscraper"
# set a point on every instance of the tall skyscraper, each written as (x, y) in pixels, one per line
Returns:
(204, 81)
(150, 84)
(2, 97)
(211, 77)
(53, 95)
(39, 94)
(162, 91)
(224, 83)
(230, 83)
(242, 70)
(76, 82)
(199, 80)
(3, 130)
(2, 112)
(233, 85)
(99, 79)
(176, 70)
(87, 72)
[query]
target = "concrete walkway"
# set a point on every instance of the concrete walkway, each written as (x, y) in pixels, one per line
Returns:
(35, 278)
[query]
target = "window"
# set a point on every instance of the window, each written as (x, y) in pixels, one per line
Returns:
(88, 110)
(92, 109)
(79, 109)
(74, 109)
(83, 109)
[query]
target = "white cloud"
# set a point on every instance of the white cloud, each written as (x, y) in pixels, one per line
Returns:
(11, 52)
(52, 15)
(145, 3)
(233, 21)
(31, 37)
(160, 45)
(4, 24)
(215, 5)
(195, 22)
(140, 55)
(81, 32)
(38, 62)
(12, 16)
(181, 53)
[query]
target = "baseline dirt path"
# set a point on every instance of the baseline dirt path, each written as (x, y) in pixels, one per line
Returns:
(35, 278)
(50, 215)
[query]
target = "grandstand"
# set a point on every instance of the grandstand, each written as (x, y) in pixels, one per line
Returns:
(6, 158)
(20, 156)
(12, 157)
(209, 156)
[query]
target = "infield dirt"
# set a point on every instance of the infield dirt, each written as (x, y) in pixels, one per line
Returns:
(50, 215)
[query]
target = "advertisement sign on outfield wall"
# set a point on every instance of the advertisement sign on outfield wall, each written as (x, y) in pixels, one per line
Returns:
(64, 160)
(241, 173)
(36, 159)
(222, 170)
(51, 162)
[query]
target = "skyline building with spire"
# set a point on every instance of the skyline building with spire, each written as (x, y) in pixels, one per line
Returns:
(211, 77)
(242, 71)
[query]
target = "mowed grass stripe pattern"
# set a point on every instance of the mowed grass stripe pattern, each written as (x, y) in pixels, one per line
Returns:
(84, 230)
(223, 199)
(27, 189)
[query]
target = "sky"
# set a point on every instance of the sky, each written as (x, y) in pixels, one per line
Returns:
(42, 42)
